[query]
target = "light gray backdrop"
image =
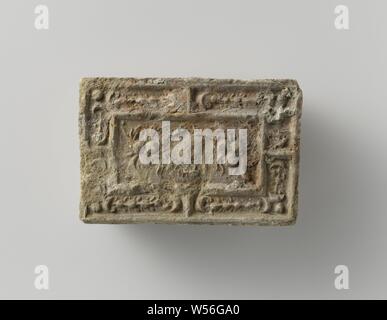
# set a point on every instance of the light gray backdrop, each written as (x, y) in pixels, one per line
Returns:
(342, 208)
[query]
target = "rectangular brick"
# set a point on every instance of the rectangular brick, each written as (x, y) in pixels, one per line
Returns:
(117, 186)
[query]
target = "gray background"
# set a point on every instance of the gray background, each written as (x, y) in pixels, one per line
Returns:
(342, 208)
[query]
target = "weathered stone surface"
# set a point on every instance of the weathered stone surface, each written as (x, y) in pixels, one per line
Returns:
(116, 187)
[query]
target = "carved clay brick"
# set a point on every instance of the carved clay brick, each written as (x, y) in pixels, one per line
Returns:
(116, 187)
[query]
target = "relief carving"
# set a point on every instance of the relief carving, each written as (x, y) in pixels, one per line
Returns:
(118, 187)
